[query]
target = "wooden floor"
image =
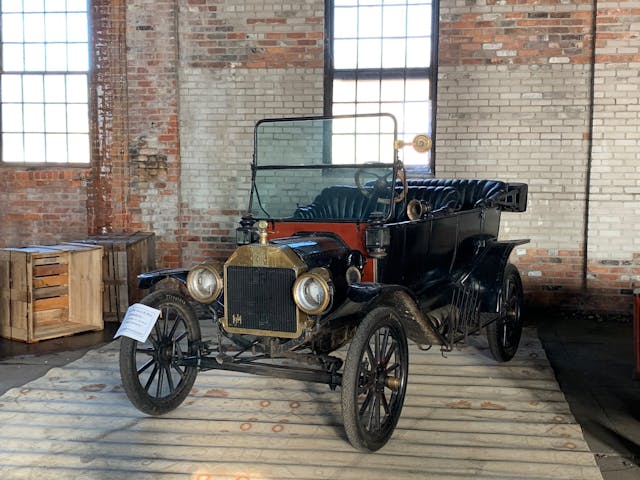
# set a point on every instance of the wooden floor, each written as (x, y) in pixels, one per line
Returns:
(464, 417)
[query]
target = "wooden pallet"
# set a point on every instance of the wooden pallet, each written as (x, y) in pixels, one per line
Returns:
(50, 291)
(125, 256)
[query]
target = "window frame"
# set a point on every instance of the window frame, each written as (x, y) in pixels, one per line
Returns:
(90, 98)
(430, 73)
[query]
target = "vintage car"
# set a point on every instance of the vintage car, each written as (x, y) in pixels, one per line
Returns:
(337, 247)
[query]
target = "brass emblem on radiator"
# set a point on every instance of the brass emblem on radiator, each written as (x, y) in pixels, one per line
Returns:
(236, 320)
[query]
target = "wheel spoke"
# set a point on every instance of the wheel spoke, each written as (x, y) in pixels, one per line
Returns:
(145, 366)
(146, 351)
(151, 377)
(366, 403)
(391, 351)
(393, 367)
(383, 348)
(385, 403)
(167, 370)
(160, 381)
(173, 329)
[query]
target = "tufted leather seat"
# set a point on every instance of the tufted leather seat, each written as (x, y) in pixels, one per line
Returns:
(473, 193)
(338, 203)
(440, 199)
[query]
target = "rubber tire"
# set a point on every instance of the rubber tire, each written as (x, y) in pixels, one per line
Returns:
(504, 345)
(357, 433)
(166, 301)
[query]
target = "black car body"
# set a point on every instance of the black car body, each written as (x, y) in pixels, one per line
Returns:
(338, 247)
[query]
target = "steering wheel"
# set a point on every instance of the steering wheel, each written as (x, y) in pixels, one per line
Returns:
(381, 183)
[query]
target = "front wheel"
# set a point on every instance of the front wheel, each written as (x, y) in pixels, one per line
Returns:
(374, 380)
(151, 372)
(504, 334)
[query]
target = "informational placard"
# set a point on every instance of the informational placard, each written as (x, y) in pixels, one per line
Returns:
(138, 322)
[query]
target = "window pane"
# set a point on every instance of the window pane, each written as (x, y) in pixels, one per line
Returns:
(33, 27)
(12, 144)
(78, 148)
(345, 23)
(419, 21)
(13, 57)
(34, 117)
(34, 57)
(11, 88)
(57, 148)
(54, 89)
(11, 5)
(34, 5)
(394, 53)
(345, 53)
(77, 5)
(12, 117)
(77, 27)
(55, 5)
(395, 21)
(56, 118)
(34, 148)
(369, 53)
(78, 58)
(56, 57)
(344, 90)
(392, 90)
(33, 88)
(77, 89)
(417, 89)
(370, 22)
(12, 27)
(418, 52)
(56, 24)
(78, 118)
(368, 91)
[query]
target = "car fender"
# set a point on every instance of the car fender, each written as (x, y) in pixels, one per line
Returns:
(486, 274)
(417, 326)
(149, 279)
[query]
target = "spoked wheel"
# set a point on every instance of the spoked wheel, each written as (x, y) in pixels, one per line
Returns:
(374, 381)
(504, 334)
(151, 373)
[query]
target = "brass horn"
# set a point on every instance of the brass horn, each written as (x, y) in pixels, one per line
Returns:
(416, 209)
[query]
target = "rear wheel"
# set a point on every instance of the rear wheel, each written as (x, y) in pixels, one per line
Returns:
(151, 373)
(374, 381)
(504, 334)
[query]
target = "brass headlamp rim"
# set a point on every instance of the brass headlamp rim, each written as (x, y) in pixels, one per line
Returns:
(323, 277)
(211, 266)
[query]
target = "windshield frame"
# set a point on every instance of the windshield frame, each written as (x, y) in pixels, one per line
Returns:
(395, 165)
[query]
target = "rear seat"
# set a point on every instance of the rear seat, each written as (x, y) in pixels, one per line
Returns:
(472, 193)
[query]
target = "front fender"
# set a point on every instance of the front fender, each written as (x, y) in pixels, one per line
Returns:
(487, 272)
(149, 279)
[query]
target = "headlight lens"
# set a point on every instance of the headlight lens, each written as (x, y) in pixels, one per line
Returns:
(312, 291)
(204, 282)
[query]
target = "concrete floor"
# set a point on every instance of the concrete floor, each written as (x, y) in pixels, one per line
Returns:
(591, 356)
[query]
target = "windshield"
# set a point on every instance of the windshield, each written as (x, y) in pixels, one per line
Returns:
(324, 169)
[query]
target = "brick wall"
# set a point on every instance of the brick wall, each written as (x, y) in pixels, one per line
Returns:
(243, 61)
(515, 101)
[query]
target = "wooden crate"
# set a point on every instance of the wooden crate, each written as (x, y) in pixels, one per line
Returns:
(50, 291)
(125, 256)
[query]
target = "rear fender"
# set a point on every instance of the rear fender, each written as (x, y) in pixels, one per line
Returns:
(486, 274)
(149, 279)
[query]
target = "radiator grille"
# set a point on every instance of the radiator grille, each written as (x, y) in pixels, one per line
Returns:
(260, 298)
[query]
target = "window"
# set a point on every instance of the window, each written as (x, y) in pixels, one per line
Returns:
(381, 61)
(44, 85)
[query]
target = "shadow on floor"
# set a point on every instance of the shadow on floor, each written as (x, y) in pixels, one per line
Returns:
(593, 360)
